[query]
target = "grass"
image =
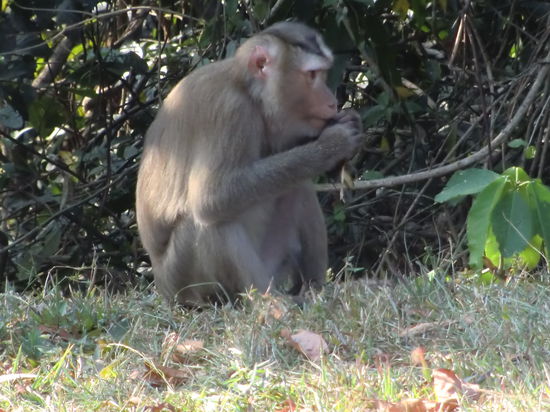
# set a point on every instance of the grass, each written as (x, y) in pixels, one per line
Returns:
(94, 351)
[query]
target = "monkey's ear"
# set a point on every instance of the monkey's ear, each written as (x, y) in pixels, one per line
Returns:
(259, 62)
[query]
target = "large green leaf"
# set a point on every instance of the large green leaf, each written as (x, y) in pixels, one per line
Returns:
(528, 258)
(478, 222)
(492, 251)
(513, 223)
(540, 195)
(466, 182)
(517, 175)
(46, 113)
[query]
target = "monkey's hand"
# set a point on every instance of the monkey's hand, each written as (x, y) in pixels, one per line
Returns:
(341, 139)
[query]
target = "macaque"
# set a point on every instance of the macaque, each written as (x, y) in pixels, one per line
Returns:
(225, 200)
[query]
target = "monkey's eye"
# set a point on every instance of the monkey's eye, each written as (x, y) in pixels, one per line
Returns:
(312, 74)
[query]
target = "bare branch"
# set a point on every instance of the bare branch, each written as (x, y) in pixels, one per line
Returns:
(459, 164)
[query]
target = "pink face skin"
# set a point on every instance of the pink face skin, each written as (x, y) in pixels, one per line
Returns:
(319, 99)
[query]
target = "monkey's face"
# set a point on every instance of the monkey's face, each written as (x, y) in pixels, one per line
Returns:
(289, 78)
(307, 101)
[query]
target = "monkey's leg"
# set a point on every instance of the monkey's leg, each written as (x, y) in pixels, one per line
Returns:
(212, 263)
(243, 256)
(312, 261)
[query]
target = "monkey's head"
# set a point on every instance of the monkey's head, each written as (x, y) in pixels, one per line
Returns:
(287, 65)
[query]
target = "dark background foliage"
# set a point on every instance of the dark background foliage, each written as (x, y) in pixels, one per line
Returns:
(80, 81)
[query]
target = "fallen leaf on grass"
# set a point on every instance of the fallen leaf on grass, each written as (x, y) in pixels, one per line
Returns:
(181, 352)
(58, 332)
(310, 344)
(421, 328)
(158, 375)
(134, 400)
(418, 356)
(413, 405)
(409, 405)
(448, 387)
(276, 310)
(287, 406)
(162, 407)
(426, 327)
(184, 350)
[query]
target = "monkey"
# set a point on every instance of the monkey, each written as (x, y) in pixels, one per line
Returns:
(225, 199)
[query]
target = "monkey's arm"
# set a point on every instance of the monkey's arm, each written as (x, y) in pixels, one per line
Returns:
(236, 191)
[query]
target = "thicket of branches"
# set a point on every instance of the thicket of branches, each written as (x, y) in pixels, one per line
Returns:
(440, 85)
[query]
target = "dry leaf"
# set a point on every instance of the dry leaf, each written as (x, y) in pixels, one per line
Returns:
(422, 328)
(410, 405)
(134, 400)
(135, 374)
(184, 351)
(180, 352)
(56, 332)
(310, 344)
(449, 388)
(162, 407)
(158, 375)
(418, 356)
(276, 310)
(287, 406)
(346, 178)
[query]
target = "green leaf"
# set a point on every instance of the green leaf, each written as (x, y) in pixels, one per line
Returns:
(492, 251)
(513, 223)
(9, 117)
(373, 115)
(51, 242)
(478, 221)
(517, 143)
(540, 195)
(401, 7)
(466, 182)
(45, 113)
(371, 175)
(530, 152)
(109, 372)
(530, 256)
(517, 175)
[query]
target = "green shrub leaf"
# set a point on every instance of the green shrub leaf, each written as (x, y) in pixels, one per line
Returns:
(516, 143)
(541, 203)
(478, 221)
(9, 117)
(513, 223)
(466, 182)
(517, 174)
(46, 113)
(530, 257)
